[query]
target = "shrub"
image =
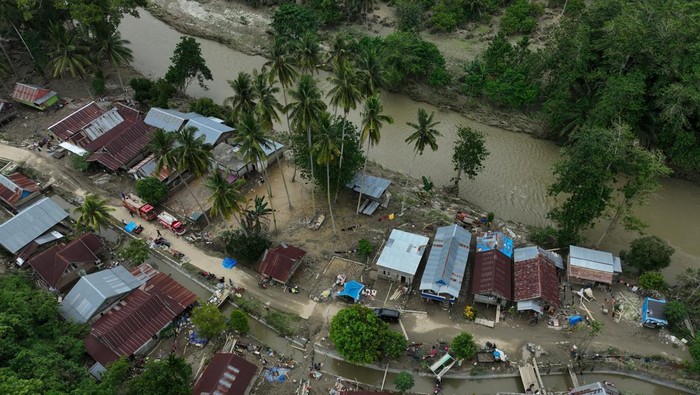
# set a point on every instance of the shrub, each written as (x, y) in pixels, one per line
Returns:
(545, 237)
(206, 106)
(247, 248)
(403, 382)
(410, 58)
(280, 322)
(151, 190)
(80, 162)
(238, 321)
(520, 17)
(292, 20)
(393, 344)
(409, 14)
(652, 281)
(463, 346)
(98, 85)
(208, 320)
(364, 248)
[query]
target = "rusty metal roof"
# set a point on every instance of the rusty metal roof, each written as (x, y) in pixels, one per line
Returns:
(281, 262)
(77, 121)
(492, 274)
(51, 264)
(536, 278)
(31, 93)
(138, 317)
(226, 374)
(15, 187)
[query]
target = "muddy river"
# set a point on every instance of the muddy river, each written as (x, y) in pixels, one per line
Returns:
(514, 182)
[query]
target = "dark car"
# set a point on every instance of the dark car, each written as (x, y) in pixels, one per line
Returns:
(388, 315)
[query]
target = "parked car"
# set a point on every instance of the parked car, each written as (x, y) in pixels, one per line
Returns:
(388, 315)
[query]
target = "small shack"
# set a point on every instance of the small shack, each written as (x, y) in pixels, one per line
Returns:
(352, 291)
(447, 263)
(280, 263)
(17, 190)
(653, 313)
(535, 278)
(373, 191)
(493, 271)
(591, 266)
(226, 374)
(442, 366)
(34, 96)
(401, 256)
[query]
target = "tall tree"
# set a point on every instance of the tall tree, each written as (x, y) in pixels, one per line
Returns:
(469, 154)
(344, 94)
(251, 138)
(309, 52)
(70, 55)
(166, 376)
(161, 145)
(372, 122)
(304, 111)
(113, 49)
(371, 71)
(226, 198)
(280, 67)
(94, 212)
(425, 136)
(188, 65)
(326, 151)
(243, 99)
(340, 49)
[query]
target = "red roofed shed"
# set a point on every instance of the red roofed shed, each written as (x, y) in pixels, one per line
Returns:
(132, 323)
(226, 374)
(34, 96)
(492, 274)
(281, 262)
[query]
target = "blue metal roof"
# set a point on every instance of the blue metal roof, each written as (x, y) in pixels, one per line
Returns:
(373, 187)
(495, 240)
(447, 261)
(653, 312)
(30, 223)
(211, 130)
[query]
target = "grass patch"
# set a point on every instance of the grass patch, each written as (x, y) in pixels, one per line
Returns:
(250, 306)
(282, 322)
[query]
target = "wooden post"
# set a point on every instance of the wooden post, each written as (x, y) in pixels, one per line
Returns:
(384, 379)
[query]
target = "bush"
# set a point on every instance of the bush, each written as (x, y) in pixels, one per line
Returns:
(545, 237)
(80, 162)
(292, 20)
(439, 78)
(209, 321)
(403, 382)
(463, 346)
(98, 85)
(648, 253)
(520, 17)
(136, 252)
(247, 248)
(280, 322)
(206, 106)
(652, 281)
(238, 321)
(156, 93)
(364, 248)
(393, 344)
(410, 58)
(142, 89)
(447, 15)
(151, 190)
(408, 15)
(694, 348)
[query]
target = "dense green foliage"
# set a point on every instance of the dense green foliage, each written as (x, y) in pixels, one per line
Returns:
(39, 352)
(168, 376)
(409, 15)
(520, 17)
(151, 190)
(652, 280)
(246, 247)
(292, 20)
(360, 337)
(187, 65)
(694, 348)
(206, 106)
(469, 154)
(676, 312)
(80, 162)
(238, 321)
(156, 94)
(403, 381)
(648, 253)
(408, 58)
(208, 320)
(463, 346)
(136, 252)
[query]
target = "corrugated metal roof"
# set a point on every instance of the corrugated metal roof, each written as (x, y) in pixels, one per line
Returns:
(271, 148)
(617, 264)
(31, 93)
(167, 119)
(595, 388)
(373, 187)
(226, 374)
(103, 124)
(51, 264)
(16, 187)
(591, 259)
(281, 262)
(147, 168)
(89, 296)
(227, 156)
(492, 274)
(403, 252)
(580, 274)
(525, 253)
(211, 130)
(75, 122)
(135, 320)
(532, 304)
(495, 240)
(447, 261)
(30, 223)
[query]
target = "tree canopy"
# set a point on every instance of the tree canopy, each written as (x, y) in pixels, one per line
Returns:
(136, 252)
(360, 336)
(463, 346)
(151, 190)
(208, 320)
(469, 154)
(648, 253)
(187, 65)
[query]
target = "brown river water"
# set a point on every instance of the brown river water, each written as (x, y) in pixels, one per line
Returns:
(513, 183)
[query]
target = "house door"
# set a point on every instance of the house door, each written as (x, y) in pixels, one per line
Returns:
(403, 279)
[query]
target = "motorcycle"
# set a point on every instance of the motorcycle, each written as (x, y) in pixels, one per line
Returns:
(160, 241)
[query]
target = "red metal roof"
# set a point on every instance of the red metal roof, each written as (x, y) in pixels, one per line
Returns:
(281, 262)
(141, 315)
(123, 143)
(29, 93)
(226, 374)
(11, 192)
(536, 278)
(492, 274)
(52, 264)
(75, 122)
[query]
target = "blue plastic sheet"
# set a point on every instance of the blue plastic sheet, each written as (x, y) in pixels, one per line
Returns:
(276, 375)
(131, 226)
(229, 263)
(352, 289)
(195, 339)
(575, 319)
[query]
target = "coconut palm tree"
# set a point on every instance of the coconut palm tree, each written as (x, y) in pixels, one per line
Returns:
(371, 72)
(424, 136)
(161, 146)
(326, 151)
(243, 99)
(94, 212)
(304, 111)
(112, 48)
(251, 138)
(279, 67)
(266, 108)
(339, 50)
(69, 55)
(226, 198)
(309, 52)
(346, 95)
(372, 122)
(192, 154)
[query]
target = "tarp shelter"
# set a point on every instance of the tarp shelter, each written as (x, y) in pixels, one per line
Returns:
(131, 226)
(276, 375)
(229, 263)
(352, 289)
(575, 319)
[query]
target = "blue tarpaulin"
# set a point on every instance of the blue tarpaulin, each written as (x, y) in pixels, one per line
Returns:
(575, 319)
(229, 263)
(276, 375)
(352, 289)
(195, 339)
(131, 226)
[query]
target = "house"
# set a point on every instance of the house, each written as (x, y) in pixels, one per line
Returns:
(95, 292)
(226, 374)
(213, 129)
(61, 266)
(493, 272)
(401, 256)
(17, 190)
(30, 225)
(447, 264)
(34, 96)
(230, 162)
(66, 128)
(535, 281)
(280, 263)
(147, 168)
(591, 266)
(596, 388)
(653, 313)
(373, 191)
(132, 325)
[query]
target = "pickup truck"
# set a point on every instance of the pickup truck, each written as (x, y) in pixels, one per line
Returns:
(136, 206)
(172, 223)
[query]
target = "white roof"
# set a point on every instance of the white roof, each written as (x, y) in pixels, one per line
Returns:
(30, 223)
(73, 148)
(403, 252)
(591, 259)
(211, 130)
